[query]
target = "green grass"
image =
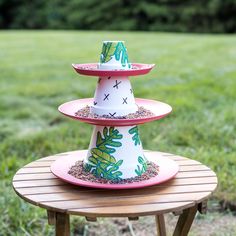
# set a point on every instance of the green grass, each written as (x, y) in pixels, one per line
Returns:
(195, 74)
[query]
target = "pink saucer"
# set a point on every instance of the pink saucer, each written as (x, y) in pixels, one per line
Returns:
(159, 109)
(167, 170)
(93, 70)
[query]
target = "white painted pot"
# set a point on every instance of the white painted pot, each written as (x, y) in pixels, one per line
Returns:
(114, 56)
(115, 153)
(114, 97)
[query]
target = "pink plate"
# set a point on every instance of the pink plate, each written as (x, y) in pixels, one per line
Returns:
(93, 70)
(167, 170)
(159, 109)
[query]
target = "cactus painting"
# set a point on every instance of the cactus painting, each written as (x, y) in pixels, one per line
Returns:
(135, 137)
(118, 50)
(101, 162)
(143, 162)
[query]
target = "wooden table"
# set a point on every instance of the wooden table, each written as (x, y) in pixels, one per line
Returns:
(184, 195)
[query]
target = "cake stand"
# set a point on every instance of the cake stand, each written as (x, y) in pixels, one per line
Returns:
(115, 152)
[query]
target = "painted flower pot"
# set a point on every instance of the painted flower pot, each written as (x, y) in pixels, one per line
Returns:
(115, 153)
(114, 56)
(114, 97)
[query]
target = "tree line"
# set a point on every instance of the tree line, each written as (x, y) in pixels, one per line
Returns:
(207, 16)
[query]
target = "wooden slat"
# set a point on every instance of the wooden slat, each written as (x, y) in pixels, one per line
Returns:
(198, 180)
(188, 162)
(101, 202)
(39, 164)
(34, 170)
(175, 182)
(45, 189)
(193, 168)
(132, 210)
(38, 183)
(103, 194)
(195, 174)
(38, 176)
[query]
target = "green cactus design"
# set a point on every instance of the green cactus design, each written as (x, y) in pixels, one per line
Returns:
(108, 50)
(111, 49)
(121, 49)
(143, 162)
(135, 137)
(101, 162)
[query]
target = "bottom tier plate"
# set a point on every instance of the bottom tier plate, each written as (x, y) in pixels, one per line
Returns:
(167, 170)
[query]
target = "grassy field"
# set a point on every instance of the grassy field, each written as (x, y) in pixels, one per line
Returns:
(196, 74)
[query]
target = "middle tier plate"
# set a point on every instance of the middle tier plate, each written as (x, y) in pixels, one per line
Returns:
(159, 109)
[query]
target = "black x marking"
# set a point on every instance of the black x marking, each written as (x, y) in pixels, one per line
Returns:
(106, 96)
(109, 77)
(95, 103)
(125, 101)
(99, 80)
(112, 115)
(131, 90)
(116, 85)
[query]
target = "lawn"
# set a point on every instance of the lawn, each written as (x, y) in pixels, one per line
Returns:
(195, 74)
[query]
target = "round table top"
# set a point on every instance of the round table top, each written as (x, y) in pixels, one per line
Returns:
(193, 184)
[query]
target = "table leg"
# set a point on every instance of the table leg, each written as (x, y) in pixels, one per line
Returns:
(62, 224)
(160, 223)
(202, 207)
(51, 217)
(185, 221)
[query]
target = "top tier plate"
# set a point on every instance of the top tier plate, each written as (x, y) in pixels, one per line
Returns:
(159, 110)
(92, 69)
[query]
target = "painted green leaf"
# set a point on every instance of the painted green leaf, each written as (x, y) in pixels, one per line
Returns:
(99, 139)
(87, 167)
(143, 162)
(113, 168)
(121, 54)
(105, 131)
(135, 137)
(102, 156)
(119, 163)
(117, 174)
(108, 51)
(108, 140)
(103, 164)
(93, 160)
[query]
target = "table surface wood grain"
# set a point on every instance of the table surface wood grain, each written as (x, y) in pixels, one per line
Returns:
(193, 184)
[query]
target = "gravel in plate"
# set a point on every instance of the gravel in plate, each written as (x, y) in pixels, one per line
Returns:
(141, 113)
(78, 172)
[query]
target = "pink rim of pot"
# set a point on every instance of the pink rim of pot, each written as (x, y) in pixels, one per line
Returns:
(92, 69)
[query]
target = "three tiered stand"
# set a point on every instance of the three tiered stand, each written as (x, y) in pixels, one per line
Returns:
(115, 159)
(115, 152)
